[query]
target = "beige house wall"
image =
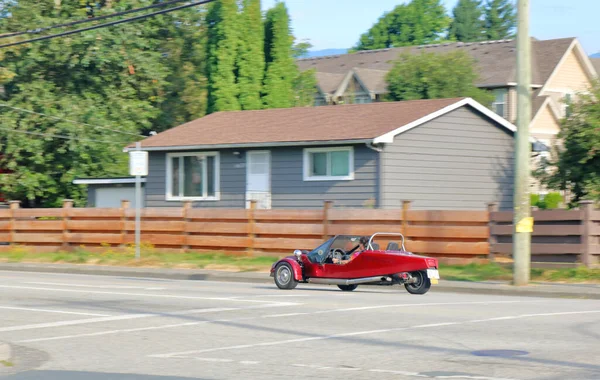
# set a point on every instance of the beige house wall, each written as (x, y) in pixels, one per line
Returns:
(570, 75)
(544, 124)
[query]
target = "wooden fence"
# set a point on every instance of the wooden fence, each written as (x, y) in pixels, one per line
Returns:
(565, 236)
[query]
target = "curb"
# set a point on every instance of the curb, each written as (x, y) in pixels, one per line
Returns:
(574, 291)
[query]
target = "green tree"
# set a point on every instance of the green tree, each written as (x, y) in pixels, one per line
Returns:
(574, 164)
(467, 23)
(223, 46)
(500, 19)
(251, 59)
(416, 23)
(281, 69)
(434, 76)
(118, 78)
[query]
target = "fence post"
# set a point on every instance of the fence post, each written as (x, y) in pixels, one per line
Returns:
(251, 226)
(14, 205)
(405, 210)
(326, 207)
(587, 257)
(124, 206)
(492, 207)
(66, 206)
(187, 206)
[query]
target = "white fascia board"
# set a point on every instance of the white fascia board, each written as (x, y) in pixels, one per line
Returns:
(106, 181)
(250, 145)
(389, 137)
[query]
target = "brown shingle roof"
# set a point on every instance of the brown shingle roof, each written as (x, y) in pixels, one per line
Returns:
(496, 59)
(300, 124)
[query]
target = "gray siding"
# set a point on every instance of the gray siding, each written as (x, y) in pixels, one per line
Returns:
(289, 190)
(458, 161)
(232, 182)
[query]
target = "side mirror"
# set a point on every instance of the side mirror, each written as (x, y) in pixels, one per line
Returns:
(298, 254)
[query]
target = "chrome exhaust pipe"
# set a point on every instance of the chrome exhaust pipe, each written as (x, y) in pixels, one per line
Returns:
(341, 281)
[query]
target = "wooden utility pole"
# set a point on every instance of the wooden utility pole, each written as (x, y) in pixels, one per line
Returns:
(523, 224)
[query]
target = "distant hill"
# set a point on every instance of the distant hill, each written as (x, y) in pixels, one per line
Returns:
(597, 55)
(321, 53)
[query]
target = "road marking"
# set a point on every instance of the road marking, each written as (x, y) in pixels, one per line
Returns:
(141, 294)
(416, 374)
(357, 333)
(280, 304)
(53, 311)
(423, 304)
(138, 329)
(93, 286)
(71, 323)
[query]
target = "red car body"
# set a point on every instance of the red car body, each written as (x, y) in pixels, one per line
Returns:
(371, 266)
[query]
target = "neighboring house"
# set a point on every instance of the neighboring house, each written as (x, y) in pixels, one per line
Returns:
(440, 154)
(110, 192)
(560, 68)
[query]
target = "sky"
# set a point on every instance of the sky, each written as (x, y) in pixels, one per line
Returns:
(335, 24)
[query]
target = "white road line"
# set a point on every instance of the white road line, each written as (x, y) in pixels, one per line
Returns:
(93, 286)
(149, 328)
(357, 333)
(415, 374)
(423, 304)
(140, 294)
(188, 324)
(71, 323)
(53, 311)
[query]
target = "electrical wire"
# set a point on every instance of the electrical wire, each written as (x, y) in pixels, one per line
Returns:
(108, 24)
(73, 23)
(58, 136)
(70, 121)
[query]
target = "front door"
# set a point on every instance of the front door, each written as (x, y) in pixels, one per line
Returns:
(258, 179)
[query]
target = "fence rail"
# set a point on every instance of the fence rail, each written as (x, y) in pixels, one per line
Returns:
(567, 236)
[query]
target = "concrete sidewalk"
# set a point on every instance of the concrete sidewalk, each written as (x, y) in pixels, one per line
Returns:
(553, 290)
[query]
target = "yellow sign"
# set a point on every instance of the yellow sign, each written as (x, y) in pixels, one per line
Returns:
(525, 225)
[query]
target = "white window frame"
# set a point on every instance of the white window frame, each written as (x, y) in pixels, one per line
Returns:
(503, 102)
(307, 166)
(169, 177)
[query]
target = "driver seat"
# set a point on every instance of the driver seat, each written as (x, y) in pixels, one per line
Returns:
(392, 246)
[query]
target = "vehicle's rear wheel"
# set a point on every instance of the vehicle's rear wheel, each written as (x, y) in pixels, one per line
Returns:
(347, 288)
(284, 276)
(421, 285)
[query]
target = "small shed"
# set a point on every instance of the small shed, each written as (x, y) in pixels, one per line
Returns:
(110, 192)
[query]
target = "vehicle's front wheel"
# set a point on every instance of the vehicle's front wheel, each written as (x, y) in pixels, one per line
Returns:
(284, 276)
(421, 285)
(347, 288)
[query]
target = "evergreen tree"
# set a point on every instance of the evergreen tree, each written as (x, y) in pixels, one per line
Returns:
(278, 90)
(467, 24)
(416, 23)
(251, 59)
(222, 47)
(500, 19)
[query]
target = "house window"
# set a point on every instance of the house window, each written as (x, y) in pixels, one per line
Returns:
(568, 105)
(499, 104)
(192, 176)
(327, 164)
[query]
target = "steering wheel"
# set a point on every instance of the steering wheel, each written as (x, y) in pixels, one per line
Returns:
(339, 256)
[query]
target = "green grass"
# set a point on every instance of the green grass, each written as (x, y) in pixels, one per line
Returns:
(153, 258)
(149, 257)
(491, 272)
(6, 363)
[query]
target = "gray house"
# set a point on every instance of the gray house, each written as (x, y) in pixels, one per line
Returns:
(440, 154)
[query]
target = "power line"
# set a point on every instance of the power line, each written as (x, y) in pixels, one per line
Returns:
(70, 121)
(40, 30)
(108, 24)
(57, 136)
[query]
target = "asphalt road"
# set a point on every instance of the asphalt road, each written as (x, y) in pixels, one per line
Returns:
(98, 328)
